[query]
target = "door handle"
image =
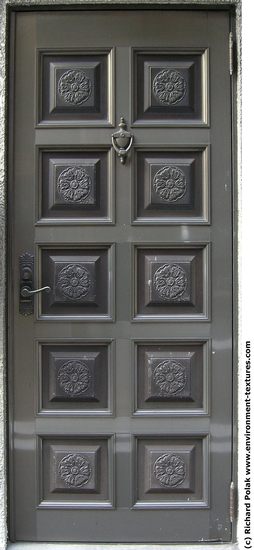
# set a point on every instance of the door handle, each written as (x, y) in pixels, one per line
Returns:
(26, 284)
(25, 291)
(122, 141)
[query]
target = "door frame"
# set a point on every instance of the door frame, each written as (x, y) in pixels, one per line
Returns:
(7, 16)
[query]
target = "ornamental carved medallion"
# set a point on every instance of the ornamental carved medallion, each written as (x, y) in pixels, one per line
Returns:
(169, 183)
(170, 281)
(75, 470)
(74, 184)
(75, 87)
(169, 470)
(169, 87)
(74, 378)
(74, 281)
(170, 377)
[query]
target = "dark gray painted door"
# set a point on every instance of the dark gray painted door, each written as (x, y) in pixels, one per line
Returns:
(120, 384)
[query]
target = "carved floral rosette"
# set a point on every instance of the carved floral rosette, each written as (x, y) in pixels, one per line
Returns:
(170, 281)
(170, 377)
(169, 87)
(75, 470)
(74, 281)
(74, 378)
(75, 87)
(169, 470)
(170, 183)
(74, 184)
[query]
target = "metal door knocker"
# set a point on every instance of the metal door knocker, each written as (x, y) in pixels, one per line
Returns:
(122, 141)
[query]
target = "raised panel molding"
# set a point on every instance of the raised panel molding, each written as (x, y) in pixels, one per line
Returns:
(171, 472)
(75, 89)
(81, 287)
(171, 377)
(76, 377)
(75, 186)
(171, 282)
(76, 472)
(170, 87)
(171, 185)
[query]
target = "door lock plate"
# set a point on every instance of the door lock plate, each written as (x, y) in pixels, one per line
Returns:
(26, 270)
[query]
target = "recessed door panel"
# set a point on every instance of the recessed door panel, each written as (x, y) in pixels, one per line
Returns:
(170, 87)
(80, 283)
(75, 186)
(76, 377)
(171, 472)
(171, 187)
(171, 283)
(171, 377)
(75, 88)
(76, 472)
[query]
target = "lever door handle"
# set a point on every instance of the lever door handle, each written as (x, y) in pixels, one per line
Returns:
(26, 284)
(25, 291)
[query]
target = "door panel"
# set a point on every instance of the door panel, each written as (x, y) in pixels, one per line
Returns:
(171, 377)
(171, 283)
(122, 375)
(75, 88)
(76, 472)
(75, 186)
(170, 87)
(156, 203)
(81, 281)
(76, 377)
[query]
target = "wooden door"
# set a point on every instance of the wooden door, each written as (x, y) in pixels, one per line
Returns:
(121, 374)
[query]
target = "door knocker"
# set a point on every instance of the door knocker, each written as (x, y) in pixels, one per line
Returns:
(122, 141)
